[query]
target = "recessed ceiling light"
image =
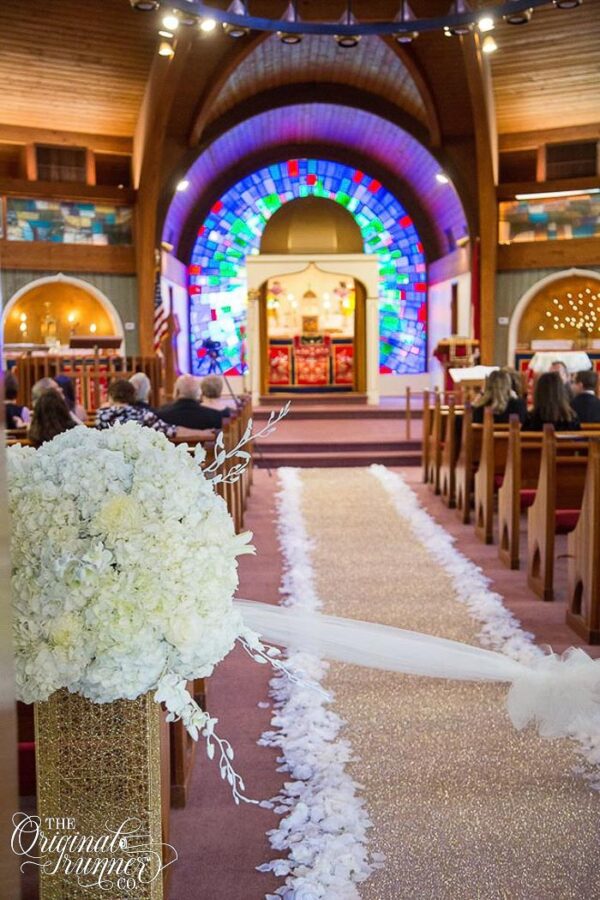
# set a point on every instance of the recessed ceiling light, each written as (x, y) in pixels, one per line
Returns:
(489, 45)
(441, 178)
(207, 25)
(486, 23)
(182, 185)
(165, 49)
(170, 22)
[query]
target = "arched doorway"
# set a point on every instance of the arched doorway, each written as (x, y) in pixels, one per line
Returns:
(563, 307)
(51, 310)
(232, 233)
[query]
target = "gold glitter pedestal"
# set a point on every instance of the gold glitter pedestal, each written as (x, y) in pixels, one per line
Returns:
(98, 765)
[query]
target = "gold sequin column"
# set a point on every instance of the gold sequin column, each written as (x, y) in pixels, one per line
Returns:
(98, 767)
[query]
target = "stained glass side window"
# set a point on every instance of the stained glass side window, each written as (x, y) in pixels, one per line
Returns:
(67, 222)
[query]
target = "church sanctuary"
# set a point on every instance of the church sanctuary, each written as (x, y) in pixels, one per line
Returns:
(300, 472)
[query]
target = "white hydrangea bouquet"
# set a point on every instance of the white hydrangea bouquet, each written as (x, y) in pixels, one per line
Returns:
(124, 570)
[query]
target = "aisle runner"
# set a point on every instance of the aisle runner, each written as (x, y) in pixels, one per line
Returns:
(462, 806)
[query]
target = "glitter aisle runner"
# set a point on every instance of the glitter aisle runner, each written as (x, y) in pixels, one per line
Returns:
(463, 806)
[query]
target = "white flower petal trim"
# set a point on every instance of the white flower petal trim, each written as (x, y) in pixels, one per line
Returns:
(500, 630)
(324, 825)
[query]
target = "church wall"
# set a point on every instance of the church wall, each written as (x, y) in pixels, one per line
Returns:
(440, 319)
(121, 290)
(510, 287)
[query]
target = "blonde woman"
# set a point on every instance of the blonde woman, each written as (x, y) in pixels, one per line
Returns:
(500, 396)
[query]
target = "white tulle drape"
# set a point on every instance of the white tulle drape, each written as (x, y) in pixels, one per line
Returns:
(559, 694)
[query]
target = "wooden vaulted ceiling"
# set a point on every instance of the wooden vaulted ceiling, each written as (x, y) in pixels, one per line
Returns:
(547, 74)
(372, 66)
(74, 65)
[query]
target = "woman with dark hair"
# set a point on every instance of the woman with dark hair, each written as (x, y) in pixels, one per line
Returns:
(551, 405)
(51, 416)
(122, 408)
(67, 386)
(498, 394)
(16, 415)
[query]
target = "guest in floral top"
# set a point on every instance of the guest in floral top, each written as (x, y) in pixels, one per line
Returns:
(122, 409)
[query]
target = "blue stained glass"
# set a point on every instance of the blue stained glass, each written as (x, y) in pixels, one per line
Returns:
(219, 310)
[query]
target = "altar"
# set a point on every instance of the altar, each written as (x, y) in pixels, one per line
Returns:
(313, 326)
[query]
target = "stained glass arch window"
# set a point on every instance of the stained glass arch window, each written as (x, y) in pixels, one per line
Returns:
(233, 229)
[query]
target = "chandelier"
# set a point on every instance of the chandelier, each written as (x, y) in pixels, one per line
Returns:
(238, 19)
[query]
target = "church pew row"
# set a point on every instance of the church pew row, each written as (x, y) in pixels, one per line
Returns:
(434, 437)
(492, 463)
(467, 464)
(518, 488)
(583, 597)
(557, 505)
(450, 454)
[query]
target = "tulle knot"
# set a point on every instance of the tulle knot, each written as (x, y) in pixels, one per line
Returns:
(559, 694)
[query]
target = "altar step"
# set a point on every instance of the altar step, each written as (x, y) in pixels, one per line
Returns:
(335, 409)
(335, 454)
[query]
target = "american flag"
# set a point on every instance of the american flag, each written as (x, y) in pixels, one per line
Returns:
(161, 315)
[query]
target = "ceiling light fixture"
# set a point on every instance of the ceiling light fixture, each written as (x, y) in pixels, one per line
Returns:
(207, 25)
(182, 185)
(519, 17)
(489, 45)
(567, 4)
(291, 16)
(405, 16)
(145, 5)
(166, 49)
(237, 8)
(486, 23)
(347, 40)
(170, 22)
(166, 34)
(460, 8)
(442, 178)
(549, 194)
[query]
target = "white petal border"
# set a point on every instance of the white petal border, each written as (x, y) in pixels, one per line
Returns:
(500, 630)
(325, 822)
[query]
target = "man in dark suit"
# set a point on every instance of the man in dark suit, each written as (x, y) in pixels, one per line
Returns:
(186, 410)
(585, 402)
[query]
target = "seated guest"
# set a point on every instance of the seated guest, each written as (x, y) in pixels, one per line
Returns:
(122, 409)
(500, 396)
(186, 408)
(51, 416)
(41, 386)
(212, 388)
(563, 372)
(67, 387)
(16, 416)
(551, 405)
(143, 388)
(516, 381)
(585, 402)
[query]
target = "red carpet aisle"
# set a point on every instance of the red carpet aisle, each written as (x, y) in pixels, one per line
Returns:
(219, 843)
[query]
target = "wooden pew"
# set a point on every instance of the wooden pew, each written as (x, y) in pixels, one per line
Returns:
(492, 462)
(425, 441)
(557, 504)
(437, 439)
(450, 454)
(467, 463)
(518, 488)
(583, 599)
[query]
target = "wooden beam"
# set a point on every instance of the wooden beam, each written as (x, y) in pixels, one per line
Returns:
(527, 140)
(102, 143)
(486, 194)
(49, 256)
(509, 191)
(66, 190)
(549, 254)
(149, 142)
(450, 266)
(409, 60)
